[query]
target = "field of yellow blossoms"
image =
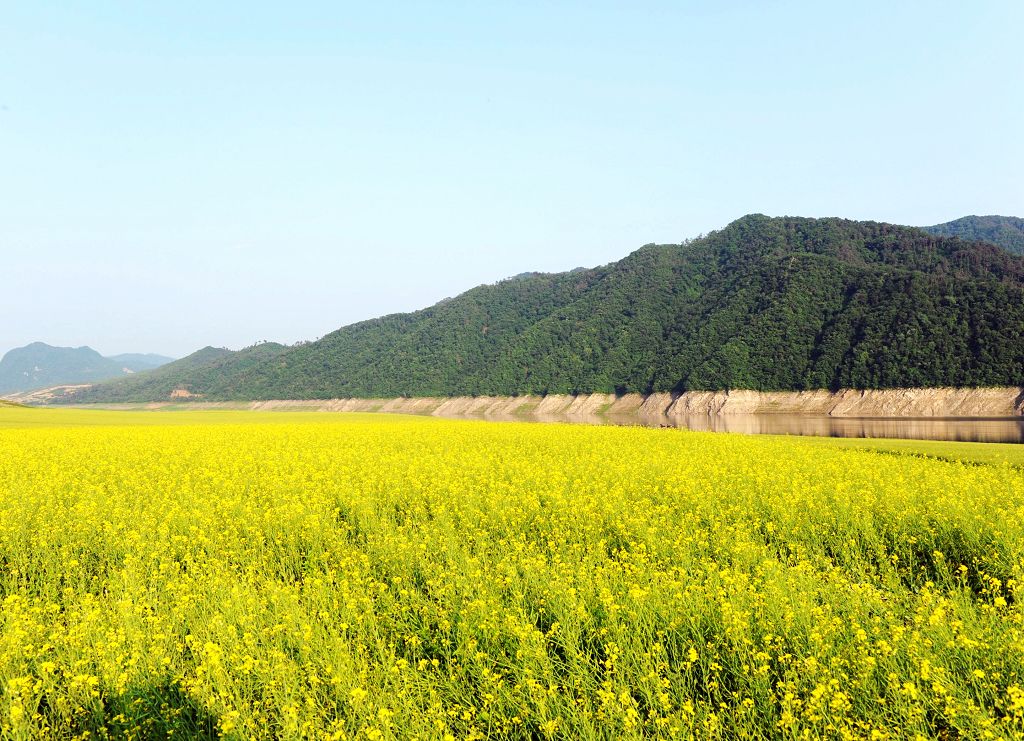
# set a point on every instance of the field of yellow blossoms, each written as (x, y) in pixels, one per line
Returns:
(372, 577)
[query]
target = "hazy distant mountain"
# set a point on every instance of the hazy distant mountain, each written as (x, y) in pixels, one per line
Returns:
(1005, 231)
(765, 303)
(140, 361)
(39, 365)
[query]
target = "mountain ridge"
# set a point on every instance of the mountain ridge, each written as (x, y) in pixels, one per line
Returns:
(783, 303)
(1004, 231)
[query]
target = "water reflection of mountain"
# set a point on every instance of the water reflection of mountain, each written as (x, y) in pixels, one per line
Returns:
(973, 429)
(966, 430)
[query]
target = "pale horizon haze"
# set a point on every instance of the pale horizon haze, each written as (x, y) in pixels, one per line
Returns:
(189, 174)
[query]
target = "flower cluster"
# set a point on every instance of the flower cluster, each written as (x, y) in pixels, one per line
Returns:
(366, 577)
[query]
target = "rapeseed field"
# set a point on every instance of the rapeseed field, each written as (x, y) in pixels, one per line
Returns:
(370, 577)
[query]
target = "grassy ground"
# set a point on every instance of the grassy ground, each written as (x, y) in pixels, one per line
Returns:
(985, 453)
(313, 575)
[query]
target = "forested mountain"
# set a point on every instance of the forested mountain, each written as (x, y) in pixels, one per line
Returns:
(213, 370)
(1005, 231)
(765, 303)
(39, 365)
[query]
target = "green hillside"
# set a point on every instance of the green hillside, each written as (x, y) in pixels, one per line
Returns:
(210, 371)
(1005, 231)
(765, 303)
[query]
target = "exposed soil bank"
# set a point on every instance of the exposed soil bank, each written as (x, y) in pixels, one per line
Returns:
(937, 402)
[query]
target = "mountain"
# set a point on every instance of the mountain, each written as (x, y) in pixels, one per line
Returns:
(211, 371)
(140, 361)
(1005, 231)
(39, 365)
(765, 303)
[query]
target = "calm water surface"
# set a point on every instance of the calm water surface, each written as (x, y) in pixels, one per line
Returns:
(971, 429)
(966, 429)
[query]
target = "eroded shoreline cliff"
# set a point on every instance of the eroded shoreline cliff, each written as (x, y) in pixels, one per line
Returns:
(936, 402)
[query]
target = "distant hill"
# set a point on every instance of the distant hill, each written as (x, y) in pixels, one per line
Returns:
(765, 303)
(140, 361)
(39, 365)
(211, 371)
(1005, 231)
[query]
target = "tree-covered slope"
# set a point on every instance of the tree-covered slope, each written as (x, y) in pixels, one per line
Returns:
(433, 348)
(1005, 231)
(39, 365)
(210, 369)
(789, 304)
(766, 303)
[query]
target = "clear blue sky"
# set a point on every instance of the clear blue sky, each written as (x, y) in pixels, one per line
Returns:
(177, 174)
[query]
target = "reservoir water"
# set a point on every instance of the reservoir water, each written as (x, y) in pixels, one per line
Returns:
(972, 429)
(964, 429)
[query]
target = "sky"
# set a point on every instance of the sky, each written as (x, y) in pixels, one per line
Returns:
(175, 175)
